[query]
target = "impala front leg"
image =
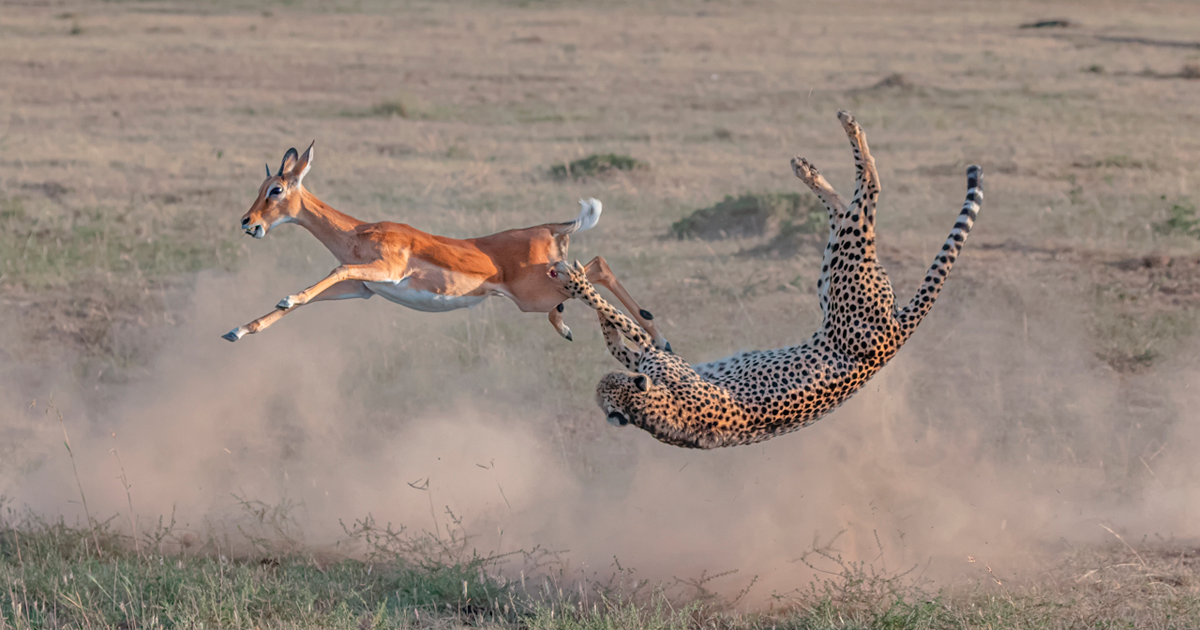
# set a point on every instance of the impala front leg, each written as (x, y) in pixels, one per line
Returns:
(366, 273)
(341, 291)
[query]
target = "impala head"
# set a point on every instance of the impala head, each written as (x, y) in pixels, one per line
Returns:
(279, 196)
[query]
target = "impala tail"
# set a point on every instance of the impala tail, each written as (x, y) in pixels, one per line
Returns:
(589, 216)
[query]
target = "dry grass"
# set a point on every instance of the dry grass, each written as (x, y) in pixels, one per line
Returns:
(133, 144)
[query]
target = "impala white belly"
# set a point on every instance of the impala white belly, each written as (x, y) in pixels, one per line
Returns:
(421, 300)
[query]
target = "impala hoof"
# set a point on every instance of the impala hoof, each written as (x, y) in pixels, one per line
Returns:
(233, 335)
(667, 347)
(286, 303)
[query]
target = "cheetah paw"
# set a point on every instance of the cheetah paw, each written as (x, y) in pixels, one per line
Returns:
(568, 273)
(804, 169)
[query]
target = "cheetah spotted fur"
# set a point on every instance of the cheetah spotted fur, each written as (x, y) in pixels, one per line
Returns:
(754, 396)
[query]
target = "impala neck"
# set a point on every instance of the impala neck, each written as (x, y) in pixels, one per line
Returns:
(334, 229)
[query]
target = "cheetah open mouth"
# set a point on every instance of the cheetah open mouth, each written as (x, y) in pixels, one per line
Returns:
(617, 419)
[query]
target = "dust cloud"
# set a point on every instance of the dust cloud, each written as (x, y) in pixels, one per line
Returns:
(995, 434)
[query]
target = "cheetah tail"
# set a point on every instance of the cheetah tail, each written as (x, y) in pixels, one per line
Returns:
(589, 216)
(935, 278)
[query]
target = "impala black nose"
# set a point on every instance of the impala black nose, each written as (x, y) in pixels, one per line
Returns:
(245, 222)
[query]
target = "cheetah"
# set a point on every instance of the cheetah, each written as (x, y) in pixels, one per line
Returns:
(754, 396)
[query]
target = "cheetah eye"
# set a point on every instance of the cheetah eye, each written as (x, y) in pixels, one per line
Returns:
(617, 419)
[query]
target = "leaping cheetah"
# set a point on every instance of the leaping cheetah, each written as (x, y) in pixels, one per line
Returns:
(754, 396)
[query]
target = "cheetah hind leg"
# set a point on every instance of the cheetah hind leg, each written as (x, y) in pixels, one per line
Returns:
(808, 173)
(835, 205)
(866, 192)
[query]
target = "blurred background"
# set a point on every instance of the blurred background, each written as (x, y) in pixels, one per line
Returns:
(1048, 402)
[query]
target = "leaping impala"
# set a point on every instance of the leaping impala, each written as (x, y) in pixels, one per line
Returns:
(423, 271)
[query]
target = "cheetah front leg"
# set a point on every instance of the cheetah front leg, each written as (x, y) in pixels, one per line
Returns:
(613, 321)
(616, 346)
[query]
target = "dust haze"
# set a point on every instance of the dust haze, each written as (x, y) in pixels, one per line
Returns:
(1050, 392)
(994, 434)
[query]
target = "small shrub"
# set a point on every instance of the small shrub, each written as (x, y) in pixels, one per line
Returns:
(400, 107)
(597, 165)
(1182, 220)
(754, 214)
(390, 108)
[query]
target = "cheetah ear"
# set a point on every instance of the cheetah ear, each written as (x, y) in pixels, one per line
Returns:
(642, 382)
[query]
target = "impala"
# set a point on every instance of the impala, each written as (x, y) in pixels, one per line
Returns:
(423, 271)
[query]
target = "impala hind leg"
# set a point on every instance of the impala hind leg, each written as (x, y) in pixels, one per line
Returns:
(598, 272)
(556, 320)
(345, 290)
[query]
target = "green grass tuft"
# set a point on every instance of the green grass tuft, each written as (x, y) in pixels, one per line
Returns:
(597, 165)
(1183, 220)
(755, 214)
(63, 576)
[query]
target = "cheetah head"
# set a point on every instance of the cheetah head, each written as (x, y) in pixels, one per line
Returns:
(628, 398)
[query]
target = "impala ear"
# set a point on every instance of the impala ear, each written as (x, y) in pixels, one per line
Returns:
(642, 382)
(289, 162)
(305, 163)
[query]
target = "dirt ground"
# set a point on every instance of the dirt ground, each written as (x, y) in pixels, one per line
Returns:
(1051, 390)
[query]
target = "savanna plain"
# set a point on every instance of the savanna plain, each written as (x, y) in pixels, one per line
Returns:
(1027, 461)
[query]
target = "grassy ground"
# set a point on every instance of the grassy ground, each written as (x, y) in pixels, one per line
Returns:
(60, 576)
(132, 137)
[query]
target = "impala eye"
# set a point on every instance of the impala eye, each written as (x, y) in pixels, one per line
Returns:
(275, 191)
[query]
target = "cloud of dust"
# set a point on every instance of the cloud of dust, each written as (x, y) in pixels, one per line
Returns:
(994, 434)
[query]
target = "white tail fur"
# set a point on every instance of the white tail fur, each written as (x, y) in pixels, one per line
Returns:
(589, 216)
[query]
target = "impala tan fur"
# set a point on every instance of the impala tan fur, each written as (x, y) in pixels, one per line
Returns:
(753, 396)
(423, 271)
